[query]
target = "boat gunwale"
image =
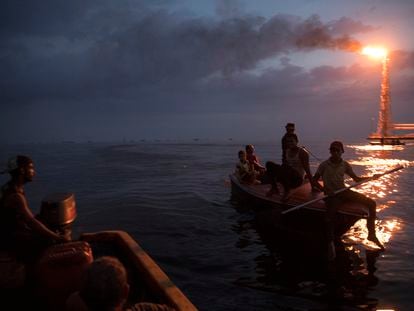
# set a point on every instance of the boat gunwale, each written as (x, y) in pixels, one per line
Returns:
(250, 191)
(157, 280)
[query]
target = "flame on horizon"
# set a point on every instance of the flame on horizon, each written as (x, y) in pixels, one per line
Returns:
(385, 125)
(375, 52)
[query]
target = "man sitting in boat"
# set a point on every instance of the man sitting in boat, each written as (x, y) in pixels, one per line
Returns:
(293, 170)
(245, 171)
(20, 231)
(297, 158)
(106, 288)
(332, 172)
(254, 160)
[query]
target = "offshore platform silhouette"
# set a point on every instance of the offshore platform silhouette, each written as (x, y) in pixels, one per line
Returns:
(385, 134)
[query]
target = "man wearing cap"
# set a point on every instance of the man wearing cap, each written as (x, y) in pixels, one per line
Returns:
(290, 133)
(20, 231)
(332, 172)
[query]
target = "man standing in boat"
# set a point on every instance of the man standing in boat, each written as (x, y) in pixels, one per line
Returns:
(20, 231)
(290, 133)
(332, 172)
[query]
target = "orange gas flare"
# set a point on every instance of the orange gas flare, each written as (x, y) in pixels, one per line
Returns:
(376, 52)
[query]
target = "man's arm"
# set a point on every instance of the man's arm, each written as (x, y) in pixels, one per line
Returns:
(350, 172)
(304, 159)
(315, 180)
(22, 208)
(256, 162)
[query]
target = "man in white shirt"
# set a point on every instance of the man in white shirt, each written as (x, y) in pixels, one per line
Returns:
(332, 172)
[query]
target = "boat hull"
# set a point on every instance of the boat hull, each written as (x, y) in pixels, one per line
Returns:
(59, 271)
(147, 279)
(306, 223)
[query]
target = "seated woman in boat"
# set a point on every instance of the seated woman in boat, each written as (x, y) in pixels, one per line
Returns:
(293, 170)
(332, 172)
(245, 171)
(106, 288)
(254, 160)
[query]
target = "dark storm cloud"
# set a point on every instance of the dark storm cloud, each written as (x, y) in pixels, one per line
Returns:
(38, 17)
(64, 18)
(284, 91)
(346, 25)
(314, 34)
(95, 49)
(90, 62)
(229, 8)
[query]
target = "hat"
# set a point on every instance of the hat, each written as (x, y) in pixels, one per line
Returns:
(337, 145)
(15, 162)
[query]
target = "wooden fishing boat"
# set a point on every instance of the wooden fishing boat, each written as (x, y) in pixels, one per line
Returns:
(58, 273)
(307, 222)
(46, 281)
(147, 280)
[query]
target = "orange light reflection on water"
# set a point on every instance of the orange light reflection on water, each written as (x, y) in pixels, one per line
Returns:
(384, 186)
(385, 229)
(377, 147)
(377, 160)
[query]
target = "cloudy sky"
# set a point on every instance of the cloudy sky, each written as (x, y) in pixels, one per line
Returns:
(163, 69)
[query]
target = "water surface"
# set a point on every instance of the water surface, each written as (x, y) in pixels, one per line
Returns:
(174, 199)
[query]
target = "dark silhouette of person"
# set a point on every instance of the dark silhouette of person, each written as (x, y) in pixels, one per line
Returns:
(290, 132)
(106, 288)
(332, 172)
(254, 159)
(293, 170)
(287, 176)
(245, 171)
(20, 231)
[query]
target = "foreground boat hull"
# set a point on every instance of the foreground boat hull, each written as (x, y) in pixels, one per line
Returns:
(146, 276)
(59, 270)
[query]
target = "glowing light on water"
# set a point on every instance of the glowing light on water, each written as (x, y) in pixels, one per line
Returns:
(379, 164)
(385, 229)
(386, 184)
(377, 160)
(377, 147)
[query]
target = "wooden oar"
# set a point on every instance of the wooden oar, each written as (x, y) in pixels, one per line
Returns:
(342, 190)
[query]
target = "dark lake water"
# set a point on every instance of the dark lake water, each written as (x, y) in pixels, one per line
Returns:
(174, 199)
